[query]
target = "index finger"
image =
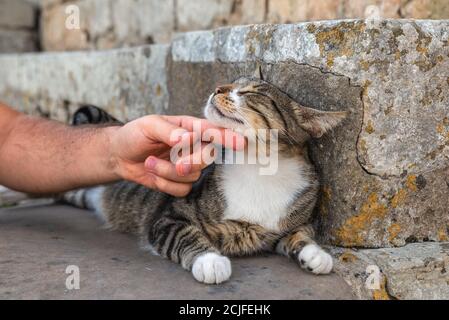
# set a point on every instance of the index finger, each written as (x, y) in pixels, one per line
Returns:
(225, 137)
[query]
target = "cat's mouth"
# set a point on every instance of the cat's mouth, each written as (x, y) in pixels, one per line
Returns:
(220, 117)
(221, 114)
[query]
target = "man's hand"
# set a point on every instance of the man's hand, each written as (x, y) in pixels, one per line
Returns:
(140, 151)
(43, 156)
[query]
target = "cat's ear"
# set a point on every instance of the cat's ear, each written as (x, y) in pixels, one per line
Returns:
(317, 122)
(258, 72)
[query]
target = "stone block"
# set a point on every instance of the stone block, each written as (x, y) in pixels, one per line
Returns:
(425, 9)
(107, 24)
(17, 14)
(372, 8)
(202, 14)
(55, 36)
(417, 271)
(17, 41)
(128, 83)
(384, 172)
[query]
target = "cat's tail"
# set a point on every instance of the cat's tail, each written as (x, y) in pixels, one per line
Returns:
(88, 198)
(89, 114)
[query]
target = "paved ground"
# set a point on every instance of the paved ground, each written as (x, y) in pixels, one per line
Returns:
(37, 243)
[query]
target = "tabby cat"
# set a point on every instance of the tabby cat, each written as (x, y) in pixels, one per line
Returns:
(232, 210)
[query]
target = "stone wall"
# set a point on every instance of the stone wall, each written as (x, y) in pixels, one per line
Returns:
(18, 26)
(384, 172)
(118, 23)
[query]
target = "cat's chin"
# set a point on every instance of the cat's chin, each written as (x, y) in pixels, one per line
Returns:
(215, 118)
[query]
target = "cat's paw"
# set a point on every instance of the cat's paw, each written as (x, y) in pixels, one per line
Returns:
(211, 268)
(315, 259)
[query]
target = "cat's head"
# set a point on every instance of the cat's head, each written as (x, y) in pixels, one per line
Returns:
(252, 103)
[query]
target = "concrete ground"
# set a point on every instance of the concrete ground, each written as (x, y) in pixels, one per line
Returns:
(37, 243)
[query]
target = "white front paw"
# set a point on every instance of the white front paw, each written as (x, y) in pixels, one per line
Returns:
(315, 259)
(211, 268)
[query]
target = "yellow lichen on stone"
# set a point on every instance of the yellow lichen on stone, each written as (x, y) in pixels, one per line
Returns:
(330, 59)
(398, 198)
(381, 294)
(362, 143)
(365, 65)
(442, 234)
(365, 87)
(442, 127)
(369, 127)
(393, 231)
(336, 41)
(422, 50)
(411, 182)
(333, 36)
(353, 230)
(158, 90)
(412, 165)
(258, 36)
(347, 257)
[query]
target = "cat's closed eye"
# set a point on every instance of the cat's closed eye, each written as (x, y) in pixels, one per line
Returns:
(242, 93)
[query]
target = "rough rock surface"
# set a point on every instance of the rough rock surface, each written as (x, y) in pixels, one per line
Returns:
(107, 24)
(18, 28)
(115, 23)
(17, 14)
(415, 271)
(128, 82)
(384, 171)
(17, 41)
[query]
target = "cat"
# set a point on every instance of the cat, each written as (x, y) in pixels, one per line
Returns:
(232, 210)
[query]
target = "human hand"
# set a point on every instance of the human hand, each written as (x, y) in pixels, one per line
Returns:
(140, 151)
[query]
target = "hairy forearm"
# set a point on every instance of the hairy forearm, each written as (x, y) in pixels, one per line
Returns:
(42, 156)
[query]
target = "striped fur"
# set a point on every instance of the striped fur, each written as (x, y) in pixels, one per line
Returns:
(231, 211)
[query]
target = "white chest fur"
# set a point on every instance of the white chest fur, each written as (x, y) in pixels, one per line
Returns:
(262, 199)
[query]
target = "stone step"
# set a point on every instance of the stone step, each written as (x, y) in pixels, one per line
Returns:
(384, 172)
(111, 265)
(417, 271)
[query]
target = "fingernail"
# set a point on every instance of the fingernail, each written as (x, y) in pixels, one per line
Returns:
(150, 163)
(178, 134)
(186, 168)
(186, 137)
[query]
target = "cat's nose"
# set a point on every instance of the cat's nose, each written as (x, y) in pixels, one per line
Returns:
(219, 90)
(222, 89)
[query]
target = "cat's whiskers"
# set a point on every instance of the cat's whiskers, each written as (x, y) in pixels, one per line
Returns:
(290, 138)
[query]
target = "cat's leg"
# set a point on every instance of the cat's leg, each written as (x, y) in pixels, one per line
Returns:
(239, 238)
(184, 243)
(300, 246)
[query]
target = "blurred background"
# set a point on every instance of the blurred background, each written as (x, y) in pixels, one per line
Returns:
(39, 25)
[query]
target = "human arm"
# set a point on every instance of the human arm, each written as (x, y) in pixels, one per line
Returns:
(43, 156)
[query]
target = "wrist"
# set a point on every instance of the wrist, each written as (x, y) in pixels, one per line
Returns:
(9, 121)
(111, 158)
